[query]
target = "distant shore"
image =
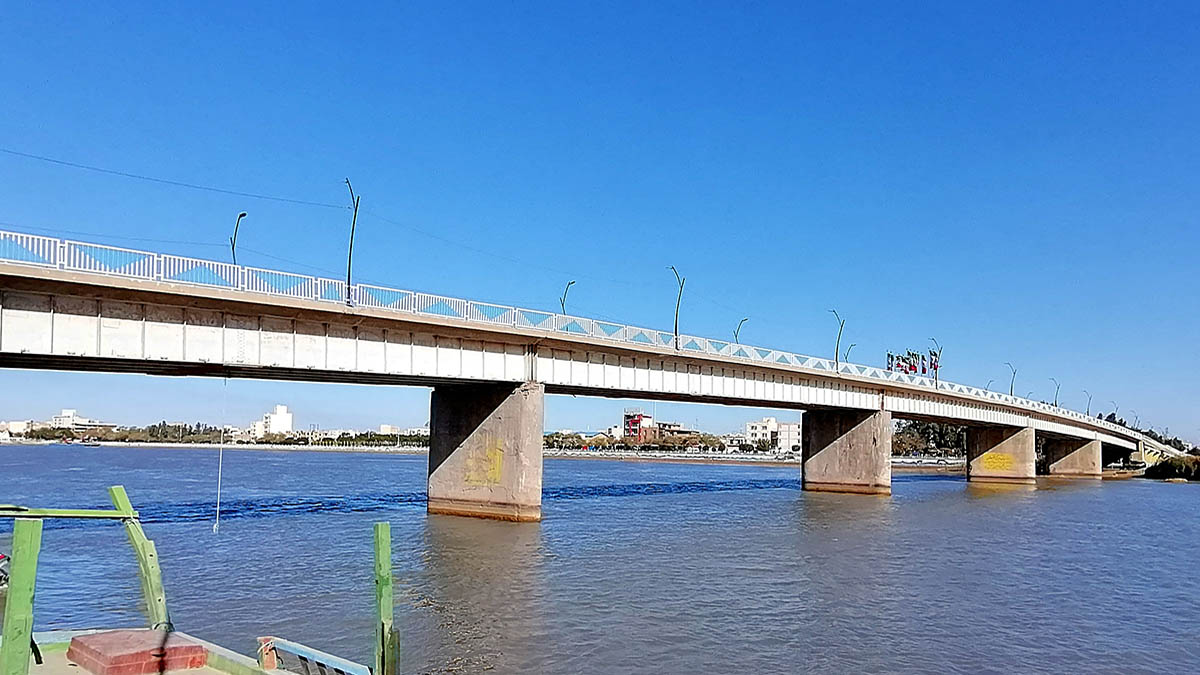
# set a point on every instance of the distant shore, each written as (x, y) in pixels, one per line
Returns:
(899, 464)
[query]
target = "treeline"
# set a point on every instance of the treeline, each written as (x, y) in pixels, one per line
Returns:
(679, 443)
(914, 437)
(1174, 441)
(164, 432)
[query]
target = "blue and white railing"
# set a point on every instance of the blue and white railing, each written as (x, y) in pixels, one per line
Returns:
(114, 261)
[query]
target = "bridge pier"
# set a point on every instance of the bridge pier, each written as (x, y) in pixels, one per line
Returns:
(1001, 455)
(1074, 458)
(847, 451)
(485, 450)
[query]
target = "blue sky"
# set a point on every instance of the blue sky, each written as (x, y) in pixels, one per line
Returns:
(1018, 180)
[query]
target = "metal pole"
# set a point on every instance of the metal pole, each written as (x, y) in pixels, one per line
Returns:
(738, 330)
(679, 299)
(1013, 382)
(837, 345)
(350, 251)
(233, 239)
(563, 300)
(18, 606)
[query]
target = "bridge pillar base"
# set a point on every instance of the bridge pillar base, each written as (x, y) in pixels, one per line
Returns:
(847, 451)
(1074, 458)
(485, 450)
(1001, 455)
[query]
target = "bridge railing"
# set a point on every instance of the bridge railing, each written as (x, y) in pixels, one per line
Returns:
(29, 249)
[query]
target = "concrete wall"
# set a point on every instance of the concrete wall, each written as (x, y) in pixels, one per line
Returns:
(847, 451)
(1072, 458)
(485, 450)
(1001, 455)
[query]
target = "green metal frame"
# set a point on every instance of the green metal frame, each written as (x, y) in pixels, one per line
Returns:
(27, 544)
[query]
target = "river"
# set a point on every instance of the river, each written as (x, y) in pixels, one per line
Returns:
(638, 567)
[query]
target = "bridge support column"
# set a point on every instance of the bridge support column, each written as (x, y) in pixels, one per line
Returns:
(847, 451)
(485, 450)
(1001, 455)
(1073, 458)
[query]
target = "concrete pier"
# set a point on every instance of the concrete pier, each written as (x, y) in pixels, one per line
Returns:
(485, 450)
(1001, 455)
(1074, 458)
(847, 451)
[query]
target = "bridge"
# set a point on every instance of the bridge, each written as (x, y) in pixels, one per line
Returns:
(70, 305)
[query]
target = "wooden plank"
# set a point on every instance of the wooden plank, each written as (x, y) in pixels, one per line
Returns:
(18, 608)
(147, 555)
(387, 639)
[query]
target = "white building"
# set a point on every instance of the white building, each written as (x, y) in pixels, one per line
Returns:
(766, 430)
(70, 419)
(789, 437)
(278, 421)
(18, 427)
(779, 436)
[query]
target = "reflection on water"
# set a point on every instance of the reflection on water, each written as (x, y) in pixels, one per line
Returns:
(638, 567)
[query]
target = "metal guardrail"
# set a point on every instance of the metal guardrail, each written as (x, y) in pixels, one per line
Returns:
(29, 249)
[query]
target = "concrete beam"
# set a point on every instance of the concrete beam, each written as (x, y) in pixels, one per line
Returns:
(1073, 458)
(847, 451)
(485, 450)
(1001, 455)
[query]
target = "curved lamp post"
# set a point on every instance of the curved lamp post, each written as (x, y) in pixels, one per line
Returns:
(739, 330)
(837, 345)
(1057, 386)
(1012, 383)
(233, 240)
(563, 300)
(681, 281)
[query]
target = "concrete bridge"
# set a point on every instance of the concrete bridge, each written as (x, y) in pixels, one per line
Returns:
(67, 305)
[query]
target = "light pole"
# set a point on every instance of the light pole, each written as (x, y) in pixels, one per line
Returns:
(738, 330)
(1057, 386)
(1089, 403)
(1012, 383)
(1116, 409)
(681, 281)
(837, 345)
(1135, 418)
(354, 199)
(233, 240)
(988, 386)
(563, 300)
(846, 356)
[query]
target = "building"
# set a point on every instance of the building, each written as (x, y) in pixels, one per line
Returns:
(70, 419)
(779, 436)
(789, 437)
(636, 426)
(279, 421)
(18, 427)
(766, 430)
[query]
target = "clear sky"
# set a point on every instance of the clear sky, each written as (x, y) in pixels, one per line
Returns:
(1018, 180)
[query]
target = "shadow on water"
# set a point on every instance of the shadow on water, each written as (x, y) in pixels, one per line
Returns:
(201, 511)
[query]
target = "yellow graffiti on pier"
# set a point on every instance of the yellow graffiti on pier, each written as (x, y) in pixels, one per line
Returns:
(483, 468)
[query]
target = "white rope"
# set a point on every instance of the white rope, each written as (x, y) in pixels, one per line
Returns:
(221, 452)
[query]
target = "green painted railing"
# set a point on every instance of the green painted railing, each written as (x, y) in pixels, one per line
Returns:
(27, 545)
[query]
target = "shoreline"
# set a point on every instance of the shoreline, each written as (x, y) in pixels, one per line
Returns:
(899, 464)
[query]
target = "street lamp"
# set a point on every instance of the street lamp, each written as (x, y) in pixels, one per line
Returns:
(988, 386)
(846, 356)
(739, 330)
(563, 300)
(233, 240)
(354, 199)
(1116, 408)
(1057, 386)
(1135, 418)
(681, 281)
(1089, 404)
(837, 345)
(1013, 382)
